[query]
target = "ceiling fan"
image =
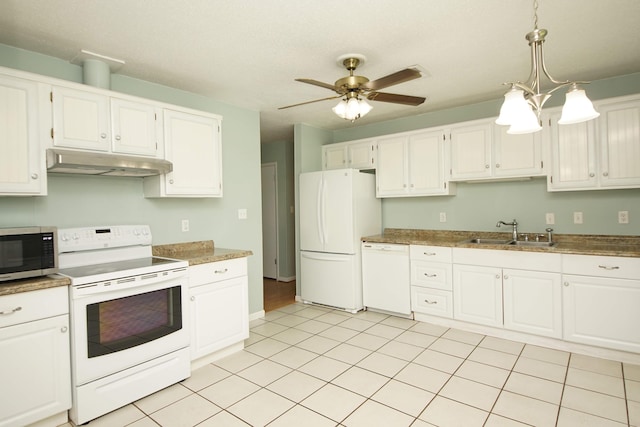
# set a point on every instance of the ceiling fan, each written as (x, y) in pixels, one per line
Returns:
(352, 86)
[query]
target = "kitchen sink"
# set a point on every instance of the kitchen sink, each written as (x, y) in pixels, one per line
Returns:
(479, 241)
(532, 244)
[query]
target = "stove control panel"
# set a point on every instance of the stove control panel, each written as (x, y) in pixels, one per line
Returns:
(94, 238)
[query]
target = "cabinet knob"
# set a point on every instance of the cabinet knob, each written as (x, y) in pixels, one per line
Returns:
(497, 276)
(486, 166)
(506, 277)
(103, 135)
(605, 173)
(192, 298)
(566, 284)
(497, 165)
(64, 329)
(117, 137)
(171, 181)
(34, 176)
(591, 175)
(430, 302)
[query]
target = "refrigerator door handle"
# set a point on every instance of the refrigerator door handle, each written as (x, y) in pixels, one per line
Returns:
(319, 207)
(324, 212)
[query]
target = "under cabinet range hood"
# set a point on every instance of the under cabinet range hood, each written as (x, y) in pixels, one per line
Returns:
(91, 163)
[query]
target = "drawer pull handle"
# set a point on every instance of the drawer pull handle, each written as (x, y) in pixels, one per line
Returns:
(430, 275)
(429, 253)
(430, 302)
(608, 267)
(11, 311)
(221, 271)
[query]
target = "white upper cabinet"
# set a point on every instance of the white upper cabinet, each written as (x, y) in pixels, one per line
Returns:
(80, 119)
(90, 120)
(22, 166)
(359, 154)
(193, 144)
(471, 151)
(412, 164)
(599, 154)
(516, 155)
(135, 127)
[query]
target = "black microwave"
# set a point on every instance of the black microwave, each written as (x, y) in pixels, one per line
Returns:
(28, 252)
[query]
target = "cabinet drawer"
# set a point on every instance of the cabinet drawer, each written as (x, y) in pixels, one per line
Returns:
(431, 275)
(432, 301)
(430, 253)
(217, 271)
(602, 266)
(34, 305)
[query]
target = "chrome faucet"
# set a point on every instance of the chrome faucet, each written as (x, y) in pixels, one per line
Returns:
(515, 227)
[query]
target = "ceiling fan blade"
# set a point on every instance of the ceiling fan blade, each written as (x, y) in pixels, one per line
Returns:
(310, 102)
(393, 79)
(395, 98)
(317, 83)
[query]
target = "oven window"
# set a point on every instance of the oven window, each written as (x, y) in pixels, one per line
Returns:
(123, 323)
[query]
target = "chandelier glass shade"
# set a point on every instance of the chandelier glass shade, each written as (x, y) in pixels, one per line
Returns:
(352, 109)
(523, 103)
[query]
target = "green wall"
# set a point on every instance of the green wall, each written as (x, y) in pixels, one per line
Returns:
(76, 200)
(479, 206)
(281, 153)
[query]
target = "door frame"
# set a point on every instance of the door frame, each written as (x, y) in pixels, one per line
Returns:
(274, 166)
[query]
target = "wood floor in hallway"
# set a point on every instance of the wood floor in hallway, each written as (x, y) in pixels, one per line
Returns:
(278, 294)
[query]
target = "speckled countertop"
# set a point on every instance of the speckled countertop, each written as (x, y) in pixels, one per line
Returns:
(581, 244)
(201, 252)
(34, 284)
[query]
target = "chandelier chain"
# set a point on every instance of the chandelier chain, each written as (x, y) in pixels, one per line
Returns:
(535, 14)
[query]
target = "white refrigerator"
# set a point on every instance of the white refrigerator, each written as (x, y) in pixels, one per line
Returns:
(337, 208)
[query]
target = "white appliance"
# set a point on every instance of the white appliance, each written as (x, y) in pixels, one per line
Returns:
(337, 208)
(386, 277)
(129, 328)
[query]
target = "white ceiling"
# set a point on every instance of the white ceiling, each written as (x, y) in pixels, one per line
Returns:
(248, 53)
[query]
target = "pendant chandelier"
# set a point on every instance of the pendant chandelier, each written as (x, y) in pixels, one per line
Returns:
(523, 103)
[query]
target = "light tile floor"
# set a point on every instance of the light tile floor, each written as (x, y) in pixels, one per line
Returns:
(310, 366)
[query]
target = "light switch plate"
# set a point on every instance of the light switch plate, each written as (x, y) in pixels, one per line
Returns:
(443, 217)
(242, 214)
(577, 218)
(623, 217)
(550, 218)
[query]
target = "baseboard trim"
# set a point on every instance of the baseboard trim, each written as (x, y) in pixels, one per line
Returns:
(256, 315)
(286, 279)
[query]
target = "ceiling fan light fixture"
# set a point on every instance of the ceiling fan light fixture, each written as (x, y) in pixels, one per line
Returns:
(578, 107)
(352, 109)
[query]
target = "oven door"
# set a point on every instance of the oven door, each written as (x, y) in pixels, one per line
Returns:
(121, 323)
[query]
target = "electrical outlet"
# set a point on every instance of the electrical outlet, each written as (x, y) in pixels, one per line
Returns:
(577, 218)
(550, 218)
(623, 217)
(242, 214)
(443, 217)
(185, 225)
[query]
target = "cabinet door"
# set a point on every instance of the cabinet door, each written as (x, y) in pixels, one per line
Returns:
(602, 312)
(477, 294)
(80, 119)
(426, 163)
(361, 155)
(619, 125)
(134, 127)
(391, 173)
(22, 170)
(35, 370)
(219, 315)
(533, 302)
(573, 156)
(192, 144)
(516, 155)
(334, 156)
(471, 151)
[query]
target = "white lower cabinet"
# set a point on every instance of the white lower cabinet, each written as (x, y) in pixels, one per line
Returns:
(219, 307)
(532, 302)
(477, 294)
(601, 296)
(35, 368)
(525, 298)
(431, 280)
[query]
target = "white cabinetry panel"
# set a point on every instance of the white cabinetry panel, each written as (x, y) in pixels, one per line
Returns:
(80, 119)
